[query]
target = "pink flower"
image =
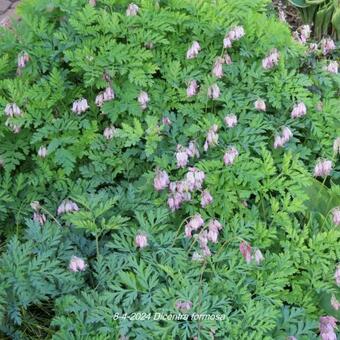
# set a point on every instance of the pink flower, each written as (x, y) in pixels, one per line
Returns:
(323, 168)
(132, 10)
(302, 34)
(23, 59)
(335, 303)
(230, 120)
(206, 198)
(327, 46)
(230, 156)
(299, 110)
(245, 249)
(105, 96)
(336, 215)
(161, 180)
(271, 60)
(337, 275)
(226, 42)
(181, 156)
(40, 218)
(192, 150)
(327, 325)
(286, 134)
(213, 91)
(218, 69)
(332, 67)
(336, 146)
(80, 106)
(235, 33)
(260, 105)
(227, 59)
(67, 206)
(193, 50)
(42, 152)
(183, 306)
(174, 201)
(12, 110)
(258, 256)
(143, 99)
(166, 121)
(5, 23)
(141, 240)
(109, 132)
(278, 142)
(92, 3)
(214, 227)
(195, 222)
(194, 179)
(212, 137)
(192, 88)
(77, 264)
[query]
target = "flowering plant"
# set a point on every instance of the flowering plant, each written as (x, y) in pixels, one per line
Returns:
(166, 157)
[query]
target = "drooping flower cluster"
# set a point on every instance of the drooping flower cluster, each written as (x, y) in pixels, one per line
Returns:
(332, 67)
(193, 50)
(230, 156)
(67, 206)
(184, 153)
(236, 33)
(249, 254)
(214, 91)
(105, 96)
(23, 59)
(212, 137)
(302, 34)
(37, 215)
(192, 88)
(327, 325)
(211, 234)
(141, 240)
(323, 168)
(109, 132)
(206, 198)
(217, 70)
(260, 105)
(181, 191)
(194, 224)
(132, 10)
(42, 152)
(299, 110)
(13, 110)
(327, 45)
(161, 180)
(143, 99)
(336, 215)
(271, 60)
(281, 140)
(183, 306)
(80, 106)
(77, 264)
(230, 120)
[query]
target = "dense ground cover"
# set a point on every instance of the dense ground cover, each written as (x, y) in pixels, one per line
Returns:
(173, 157)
